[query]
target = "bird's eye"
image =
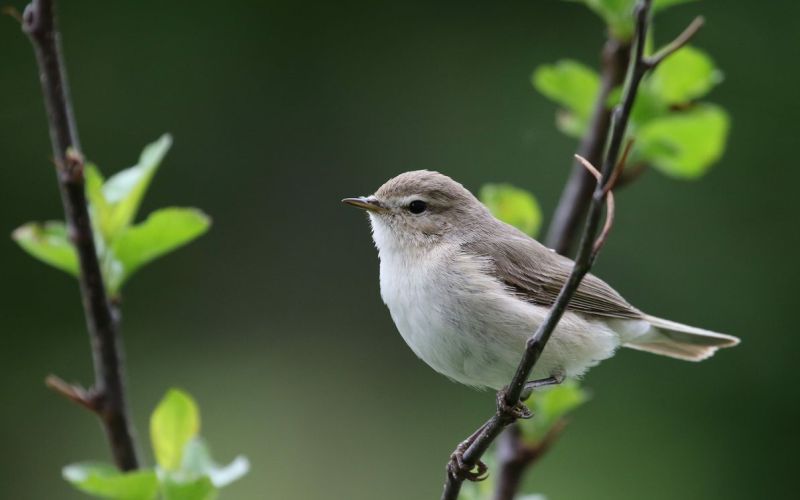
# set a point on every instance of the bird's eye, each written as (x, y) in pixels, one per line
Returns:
(417, 206)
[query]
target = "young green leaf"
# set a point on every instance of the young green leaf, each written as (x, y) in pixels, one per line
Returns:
(659, 5)
(513, 205)
(175, 421)
(572, 85)
(105, 481)
(197, 460)
(686, 144)
(48, 243)
(618, 14)
(125, 189)
(199, 489)
(162, 232)
(550, 406)
(100, 209)
(684, 76)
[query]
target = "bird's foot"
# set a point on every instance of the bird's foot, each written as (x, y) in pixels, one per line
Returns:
(458, 469)
(515, 412)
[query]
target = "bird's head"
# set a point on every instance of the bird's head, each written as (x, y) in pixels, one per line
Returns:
(418, 209)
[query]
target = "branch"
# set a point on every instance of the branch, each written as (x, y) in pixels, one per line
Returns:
(590, 244)
(107, 397)
(578, 190)
(515, 456)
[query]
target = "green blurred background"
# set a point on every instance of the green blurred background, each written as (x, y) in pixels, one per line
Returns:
(273, 320)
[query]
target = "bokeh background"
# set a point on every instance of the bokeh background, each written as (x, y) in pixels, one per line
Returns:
(273, 320)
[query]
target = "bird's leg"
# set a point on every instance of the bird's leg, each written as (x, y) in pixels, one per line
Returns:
(456, 466)
(543, 382)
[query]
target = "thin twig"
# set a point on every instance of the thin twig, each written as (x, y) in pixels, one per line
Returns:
(587, 253)
(73, 392)
(601, 239)
(107, 397)
(679, 41)
(11, 11)
(631, 174)
(613, 183)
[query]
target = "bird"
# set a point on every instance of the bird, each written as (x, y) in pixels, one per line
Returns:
(466, 291)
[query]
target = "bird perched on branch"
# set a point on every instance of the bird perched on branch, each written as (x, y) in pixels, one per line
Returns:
(467, 290)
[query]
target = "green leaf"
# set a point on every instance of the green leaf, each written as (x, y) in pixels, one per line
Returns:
(199, 489)
(197, 460)
(125, 189)
(549, 406)
(99, 208)
(685, 144)
(175, 421)
(647, 106)
(162, 232)
(514, 206)
(105, 481)
(684, 76)
(48, 243)
(572, 85)
(659, 5)
(618, 14)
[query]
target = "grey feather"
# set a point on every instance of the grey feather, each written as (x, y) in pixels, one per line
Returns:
(537, 274)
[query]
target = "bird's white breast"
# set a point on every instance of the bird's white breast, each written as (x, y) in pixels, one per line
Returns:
(459, 319)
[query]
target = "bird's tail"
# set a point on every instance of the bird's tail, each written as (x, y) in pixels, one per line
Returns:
(679, 341)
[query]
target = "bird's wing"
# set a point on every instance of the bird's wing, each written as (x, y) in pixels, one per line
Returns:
(537, 274)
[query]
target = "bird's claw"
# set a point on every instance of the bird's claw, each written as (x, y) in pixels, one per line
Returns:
(458, 469)
(516, 412)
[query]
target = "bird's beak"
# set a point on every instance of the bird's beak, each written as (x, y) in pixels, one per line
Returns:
(367, 203)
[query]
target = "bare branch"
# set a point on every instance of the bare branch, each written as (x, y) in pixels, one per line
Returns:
(107, 396)
(515, 456)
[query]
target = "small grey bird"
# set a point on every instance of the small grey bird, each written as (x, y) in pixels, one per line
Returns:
(466, 291)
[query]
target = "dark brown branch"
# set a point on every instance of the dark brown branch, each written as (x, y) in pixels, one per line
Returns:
(107, 397)
(578, 190)
(588, 248)
(515, 456)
